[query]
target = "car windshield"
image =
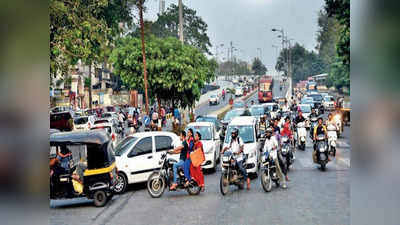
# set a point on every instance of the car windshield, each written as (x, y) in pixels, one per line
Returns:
(307, 101)
(207, 119)
(316, 97)
(245, 132)
(257, 111)
(233, 113)
(213, 96)
(205, 131)
(238, 105)
(81, 120)
(124, 145)
(329, 98)
(305, 108)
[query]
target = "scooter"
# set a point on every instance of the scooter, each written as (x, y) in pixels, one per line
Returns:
(321, 153)
(269, 170)
(332, 138)
(286, 151)
(301, 136)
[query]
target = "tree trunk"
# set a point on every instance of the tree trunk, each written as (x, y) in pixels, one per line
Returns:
(140, 5)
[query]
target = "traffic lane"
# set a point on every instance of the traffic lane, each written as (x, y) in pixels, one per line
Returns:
(206, 108)
(312, 197)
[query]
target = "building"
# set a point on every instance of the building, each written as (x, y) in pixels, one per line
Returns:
(161, 7)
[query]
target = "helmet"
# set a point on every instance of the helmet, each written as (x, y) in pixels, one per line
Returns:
(235, 131)
(268, 130)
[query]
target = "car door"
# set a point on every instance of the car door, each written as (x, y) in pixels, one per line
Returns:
(140, 160)
(163, 143)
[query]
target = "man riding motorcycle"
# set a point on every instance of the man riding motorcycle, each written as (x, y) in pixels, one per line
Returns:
(236, 147)
(223, 94)
(272, 143)
(331, 123)
(263, 124)
(313, 113)
(318, 130)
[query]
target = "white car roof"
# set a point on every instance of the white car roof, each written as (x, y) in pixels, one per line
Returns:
(153, 133)
(243, 120)
(300, 105)
(200, 124)
(103, 125)
(270, 103)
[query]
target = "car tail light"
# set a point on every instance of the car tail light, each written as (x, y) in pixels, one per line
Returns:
(113, 137)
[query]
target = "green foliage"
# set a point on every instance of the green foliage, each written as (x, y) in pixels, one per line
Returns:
(175, 71)
(304, 63)
(194, 28)
(88, 81)
(258, 67)
(233, 67)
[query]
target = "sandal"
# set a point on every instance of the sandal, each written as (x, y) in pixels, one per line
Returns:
(202, 189)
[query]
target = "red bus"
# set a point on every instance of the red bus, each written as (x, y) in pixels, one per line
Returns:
(265, 89)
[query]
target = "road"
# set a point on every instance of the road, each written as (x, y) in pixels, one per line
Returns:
(312, 197)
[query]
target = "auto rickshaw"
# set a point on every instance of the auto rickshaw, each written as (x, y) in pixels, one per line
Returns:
(82, 164)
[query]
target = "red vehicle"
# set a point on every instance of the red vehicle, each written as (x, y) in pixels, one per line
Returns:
(62, 121)
(265, 89)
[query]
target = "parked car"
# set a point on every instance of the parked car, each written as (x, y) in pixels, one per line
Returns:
(112, 130)
(83, 122)
(213, 100)
(62, 121)
(137, 156)
(248, 132)
(211, 143)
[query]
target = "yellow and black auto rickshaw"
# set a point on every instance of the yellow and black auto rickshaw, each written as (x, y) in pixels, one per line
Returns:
(82, 164)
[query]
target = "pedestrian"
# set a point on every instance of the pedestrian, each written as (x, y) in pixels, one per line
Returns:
(162, 112)
(177, 115)
(196, 172)
(186, 165)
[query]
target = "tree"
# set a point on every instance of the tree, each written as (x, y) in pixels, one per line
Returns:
(194, 28)
(233, 67)
(258, 67)
(176, 72)
(304, 63)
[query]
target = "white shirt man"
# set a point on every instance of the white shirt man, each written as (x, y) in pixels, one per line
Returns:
(235, 147)
(271, 144)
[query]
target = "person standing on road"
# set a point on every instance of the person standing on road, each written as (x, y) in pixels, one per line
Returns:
(182, 149)
(162, 112)
(186, 166)
(196, 172)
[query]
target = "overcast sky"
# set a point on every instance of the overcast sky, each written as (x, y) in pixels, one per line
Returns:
(248, 24)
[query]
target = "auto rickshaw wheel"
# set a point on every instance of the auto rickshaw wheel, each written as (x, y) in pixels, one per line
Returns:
(100, 198)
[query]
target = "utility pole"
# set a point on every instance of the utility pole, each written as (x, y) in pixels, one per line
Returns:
(140, 6)
(180, 21)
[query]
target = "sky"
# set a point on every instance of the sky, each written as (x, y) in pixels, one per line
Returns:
(248, 24)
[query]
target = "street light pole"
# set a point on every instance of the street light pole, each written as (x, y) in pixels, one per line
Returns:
(180, 21)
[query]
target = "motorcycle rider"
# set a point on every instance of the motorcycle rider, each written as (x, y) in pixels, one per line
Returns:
(318, 130)
(263, 124)
(223, 94)
(236, 146)
(272, 143)
(313, 113)
(331, 122)
(182, 149)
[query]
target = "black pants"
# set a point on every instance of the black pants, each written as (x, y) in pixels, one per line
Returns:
(282, 164)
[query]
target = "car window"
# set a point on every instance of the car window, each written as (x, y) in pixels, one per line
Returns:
(246, 132)
(81, 120)
(144, 146)
(205, 131)
(124, 145)
(163, 143)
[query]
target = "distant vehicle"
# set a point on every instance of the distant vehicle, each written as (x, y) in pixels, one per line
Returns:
(257, 111)
(311, 85)
(238, 91)
(308, 100)
(232, 114)
(60, 109)
(239, 104)
(213, 100)
(272, 109)
(111, 130)
(210, 118)
(306, 111)
(329, 102)
(211, 143)
(83, 122)
(62, 121)
(265, 89)
(317, 98)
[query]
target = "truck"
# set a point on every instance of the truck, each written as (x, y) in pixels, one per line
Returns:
(311, 86)
(265, 89)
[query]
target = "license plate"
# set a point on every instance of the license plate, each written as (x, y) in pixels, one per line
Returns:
(64, 179)
(225, 159)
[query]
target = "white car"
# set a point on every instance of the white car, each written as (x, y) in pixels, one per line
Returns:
(213, 100)
(272, 108)
(111, 129)
(138, 155)
(306, 111)
(83, 122)
(211, 142)
(328, 102)
(248, 132)
(238, 91)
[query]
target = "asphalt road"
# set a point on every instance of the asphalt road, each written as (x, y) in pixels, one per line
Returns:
(312, 197)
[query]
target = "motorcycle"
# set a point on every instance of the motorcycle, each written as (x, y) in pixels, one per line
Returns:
(230, 173)
(321, 152)
(332, 138)
(163, 178)
(313, 123)
(301, 136)
(286, 151)
(269, 170)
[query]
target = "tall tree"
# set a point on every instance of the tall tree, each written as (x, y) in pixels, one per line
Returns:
(258, 67)
(194, 27)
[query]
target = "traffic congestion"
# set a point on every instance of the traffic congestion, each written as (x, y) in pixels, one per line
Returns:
(249, 144)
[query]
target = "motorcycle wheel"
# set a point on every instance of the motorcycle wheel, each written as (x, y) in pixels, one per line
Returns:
(193, 189)
(155, 185)
(323, 166)
(266, 182)
(224, 185)
(303, 146)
